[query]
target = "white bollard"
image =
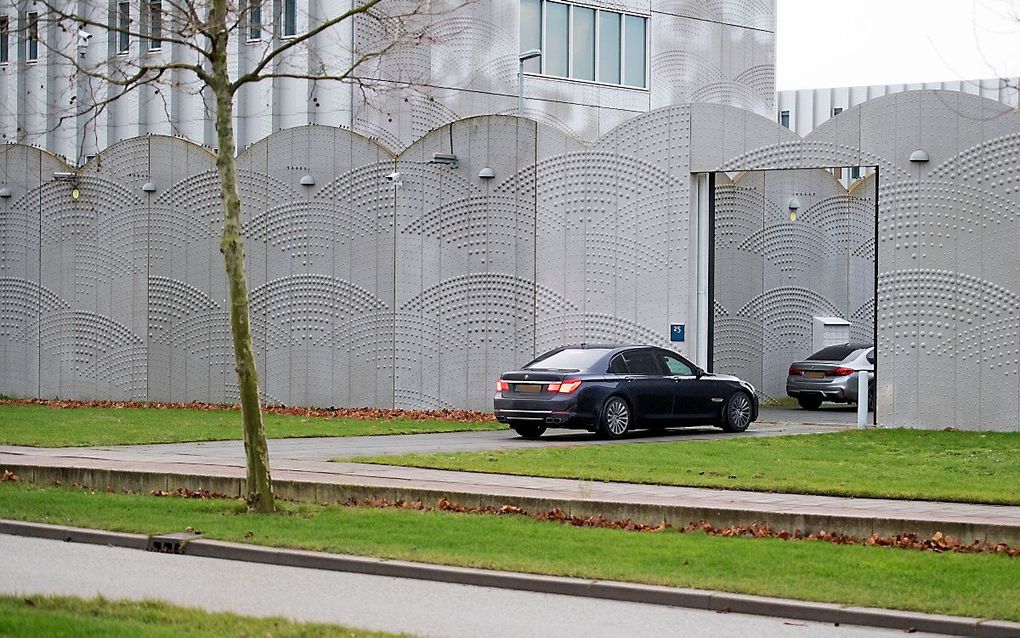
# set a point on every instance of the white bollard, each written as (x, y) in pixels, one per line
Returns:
(862, 399)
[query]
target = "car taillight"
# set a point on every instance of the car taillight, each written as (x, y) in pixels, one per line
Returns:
(502, 386)
(553, 387)
(840, 372)
(794, 372)
(568, 386)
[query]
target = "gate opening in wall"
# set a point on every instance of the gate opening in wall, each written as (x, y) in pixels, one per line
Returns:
(792, 269)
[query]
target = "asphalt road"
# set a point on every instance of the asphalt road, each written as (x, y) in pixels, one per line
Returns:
(328, 448)
(34, 566)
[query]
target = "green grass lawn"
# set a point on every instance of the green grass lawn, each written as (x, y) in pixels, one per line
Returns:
(44, 426)
(909, 464)
(980, 585)
(60, 617)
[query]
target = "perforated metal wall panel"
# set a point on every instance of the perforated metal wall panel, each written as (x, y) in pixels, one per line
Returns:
(418, 292)
(947, 284)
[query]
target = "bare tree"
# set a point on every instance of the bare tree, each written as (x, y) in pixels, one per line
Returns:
(201, 31)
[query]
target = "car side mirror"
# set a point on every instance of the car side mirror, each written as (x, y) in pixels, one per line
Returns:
(698, 372)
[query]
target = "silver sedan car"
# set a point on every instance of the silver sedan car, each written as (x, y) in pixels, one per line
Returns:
(831, 374)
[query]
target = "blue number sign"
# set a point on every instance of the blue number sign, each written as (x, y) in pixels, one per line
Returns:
(677, 331)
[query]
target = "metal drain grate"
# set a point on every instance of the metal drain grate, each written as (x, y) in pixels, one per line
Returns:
(172, 543)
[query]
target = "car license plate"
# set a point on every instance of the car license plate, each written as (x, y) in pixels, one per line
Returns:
(528, 388)
(814, 374)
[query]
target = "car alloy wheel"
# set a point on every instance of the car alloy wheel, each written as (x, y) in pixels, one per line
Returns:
(615, 418)
(738, 412)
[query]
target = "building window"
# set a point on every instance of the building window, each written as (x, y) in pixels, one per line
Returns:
(123, 27)
(289, 18)
(5, 39)
(784, 118)
(556, 37)
(255, 20)
(855, 172)
(531, 32)
(582, 51)
(155, 25)
(32, 36)
(585, 43)
(609, 47)
(836, 110)
(634, 51)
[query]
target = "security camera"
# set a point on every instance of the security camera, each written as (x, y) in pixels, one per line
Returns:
(393, 177)
(83, 37)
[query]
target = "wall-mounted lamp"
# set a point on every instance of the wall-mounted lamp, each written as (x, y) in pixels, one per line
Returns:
(5, 192)
(486, 173)
(75, 193)
(530, 54)
(919, 156)
(149, 187)
(446, 159)
(794, 206)
(394, 179)
(307, 180)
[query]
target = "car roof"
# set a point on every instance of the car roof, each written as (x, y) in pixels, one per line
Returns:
(615, 347)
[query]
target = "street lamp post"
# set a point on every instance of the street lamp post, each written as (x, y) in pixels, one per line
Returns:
(522, 58)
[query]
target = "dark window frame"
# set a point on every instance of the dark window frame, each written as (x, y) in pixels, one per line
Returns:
(5, 39)
(32, 36)
(288, 18)
(155, 26)
(253, 15)
(123, 31)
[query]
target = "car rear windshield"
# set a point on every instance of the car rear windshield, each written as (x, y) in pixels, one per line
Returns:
(573, 359)
(836, 353)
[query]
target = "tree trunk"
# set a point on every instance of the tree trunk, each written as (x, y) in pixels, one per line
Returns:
(258, 484)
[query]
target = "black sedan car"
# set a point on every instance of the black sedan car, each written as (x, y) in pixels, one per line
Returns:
(613, 389)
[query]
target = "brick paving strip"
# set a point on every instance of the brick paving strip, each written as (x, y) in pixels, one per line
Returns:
(320, 482)
(722, 602)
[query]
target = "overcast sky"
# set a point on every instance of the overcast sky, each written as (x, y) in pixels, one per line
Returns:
(860, 42)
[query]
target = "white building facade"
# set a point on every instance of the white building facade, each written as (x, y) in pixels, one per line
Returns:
(604, 63)
(804, 110)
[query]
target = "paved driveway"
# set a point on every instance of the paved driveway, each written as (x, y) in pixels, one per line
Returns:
(328, 448)
(829, 413)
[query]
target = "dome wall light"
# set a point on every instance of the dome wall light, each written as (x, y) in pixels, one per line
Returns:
(919, 156)
(5, 192)
(486, 173)
(793, 204)
(307, 180)
(149, 187)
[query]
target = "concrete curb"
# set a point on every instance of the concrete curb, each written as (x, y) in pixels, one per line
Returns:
(608, 590)
(647, 513)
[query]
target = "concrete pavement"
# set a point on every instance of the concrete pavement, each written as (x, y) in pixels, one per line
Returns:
(221, 468)
(329, 448)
